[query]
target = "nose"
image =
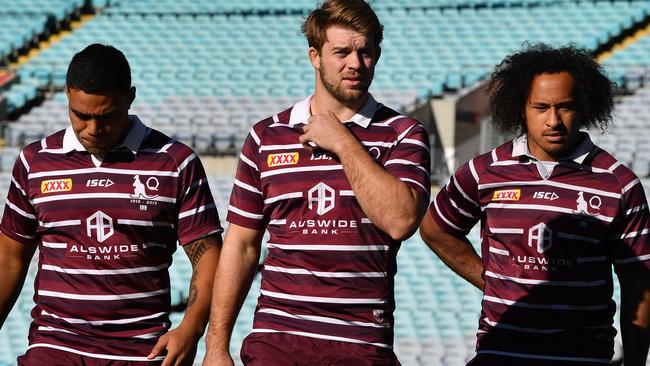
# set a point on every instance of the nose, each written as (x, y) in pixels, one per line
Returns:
(93, 127)
(354, 60)
(554, 118)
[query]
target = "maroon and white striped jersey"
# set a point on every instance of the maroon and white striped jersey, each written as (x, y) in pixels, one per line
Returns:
(329, 271)
(106, 232)
(549, 237)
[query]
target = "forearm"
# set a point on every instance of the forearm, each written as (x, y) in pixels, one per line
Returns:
(14, 261)
(457, 253)
(234, 276)
(200, 291)
(388, 202)
(635, 318)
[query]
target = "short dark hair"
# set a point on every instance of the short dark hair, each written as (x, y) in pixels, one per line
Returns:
(509, 86)
(99, 68)
(353, 14)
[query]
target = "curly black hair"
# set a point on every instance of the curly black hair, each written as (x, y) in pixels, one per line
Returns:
(509, 85)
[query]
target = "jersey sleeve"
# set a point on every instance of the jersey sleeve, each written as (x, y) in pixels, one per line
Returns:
(630, 238)
(246, 200)
(410, 160)
(19, 220)
(198, 216)
(456, 208)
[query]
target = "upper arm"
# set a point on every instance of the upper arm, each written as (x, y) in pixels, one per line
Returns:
(196, 249)
(243, 238)
(14, 253)
(635, 297)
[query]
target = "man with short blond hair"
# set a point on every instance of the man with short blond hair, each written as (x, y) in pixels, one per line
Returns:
(338, 180)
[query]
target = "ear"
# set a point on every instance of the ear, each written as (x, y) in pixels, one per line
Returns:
(131, 96)
(314, 57)
(378, 54)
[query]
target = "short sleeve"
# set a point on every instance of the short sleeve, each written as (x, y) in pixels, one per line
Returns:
(630, 240)
(456, 208)
(198, 216)
(19, 220)
(410, 160)
(246, 201)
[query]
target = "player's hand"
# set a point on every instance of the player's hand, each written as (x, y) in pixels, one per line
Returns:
(180, 344)
(327, 132)
(217, 359)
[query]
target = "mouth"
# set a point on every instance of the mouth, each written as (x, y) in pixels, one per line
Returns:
(554, 137)
(354, 81)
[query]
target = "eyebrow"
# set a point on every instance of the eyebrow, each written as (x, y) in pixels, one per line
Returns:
(89, 116)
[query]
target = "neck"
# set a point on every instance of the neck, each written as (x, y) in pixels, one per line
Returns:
(323, 101)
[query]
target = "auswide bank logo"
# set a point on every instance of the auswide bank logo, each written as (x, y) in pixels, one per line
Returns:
(507, 195)
(56, 185)
(282, 159)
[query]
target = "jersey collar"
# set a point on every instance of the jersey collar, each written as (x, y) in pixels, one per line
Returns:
(131, 142)
(301, 112)
(578, 155)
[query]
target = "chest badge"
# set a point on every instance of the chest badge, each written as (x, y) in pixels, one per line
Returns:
(282, 159)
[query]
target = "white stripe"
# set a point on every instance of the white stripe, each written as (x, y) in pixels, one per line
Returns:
(366, 220)
(321, 336)
(247, 187)
(527, 281)
(636, 209)
(599, 170)
(521, 329)
(72, 271)
(498, 251)
(406, 162)
(387, 122)
(614, 166)
(103, 170)
(495, 158)
(52, 329)
(322, 319)
(415, 142)
(161, 150)
(301, 169)
(276, 119)
(542, 357)
(453, 178)
(244, 213)
(96, 355)
(634, 234)
(282, 197)
(414, 182)
(24, 160)
(473, 170)
(255, 137)
(137, 295)
(278, 222)
(196, 184)
(581, 260)
(346, 193)
(630, 185)
(550, 183)
(60, 223)
(319, 299)
(406, 132)
(248, 161)
(378, 143)
(544, 306)
(144, 223)
(503, 230)
(577, 237)
(633, 259)
(83, 196)
(43, 143)
(194, 211)
(508, 163)
(20, 211)
(26, 236)
(186, 162)
(462, 212)
(18, 186)
(281, 147)
(435, 204)
(521, 206)
(55, 245)
(303, 271)
(324, 247)
(149, 335)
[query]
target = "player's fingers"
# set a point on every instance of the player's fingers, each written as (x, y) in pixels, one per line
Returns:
(160, 345)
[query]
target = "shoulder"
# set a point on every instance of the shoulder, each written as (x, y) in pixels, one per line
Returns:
(604, 162)
(399, 123)
(157, 142)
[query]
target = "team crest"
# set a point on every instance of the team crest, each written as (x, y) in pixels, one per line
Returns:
(282, 159)
(56, 185)
(507, 195)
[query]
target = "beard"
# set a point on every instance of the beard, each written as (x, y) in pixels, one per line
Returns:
(344, 95)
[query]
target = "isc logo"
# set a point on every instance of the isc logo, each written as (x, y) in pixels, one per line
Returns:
(507, 195)
(551, 196)
(99, 183)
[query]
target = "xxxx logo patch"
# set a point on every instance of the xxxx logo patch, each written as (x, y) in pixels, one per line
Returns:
(507, 195)
(56, 185)
(282, 159)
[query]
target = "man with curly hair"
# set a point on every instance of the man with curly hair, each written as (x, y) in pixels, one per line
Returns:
(556, 212)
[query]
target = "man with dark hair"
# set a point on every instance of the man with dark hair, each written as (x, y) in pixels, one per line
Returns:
(556, 212)
(106, 243)
(338, 180)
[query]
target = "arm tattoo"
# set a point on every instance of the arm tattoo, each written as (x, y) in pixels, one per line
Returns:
(194, 291)
(196, 249)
